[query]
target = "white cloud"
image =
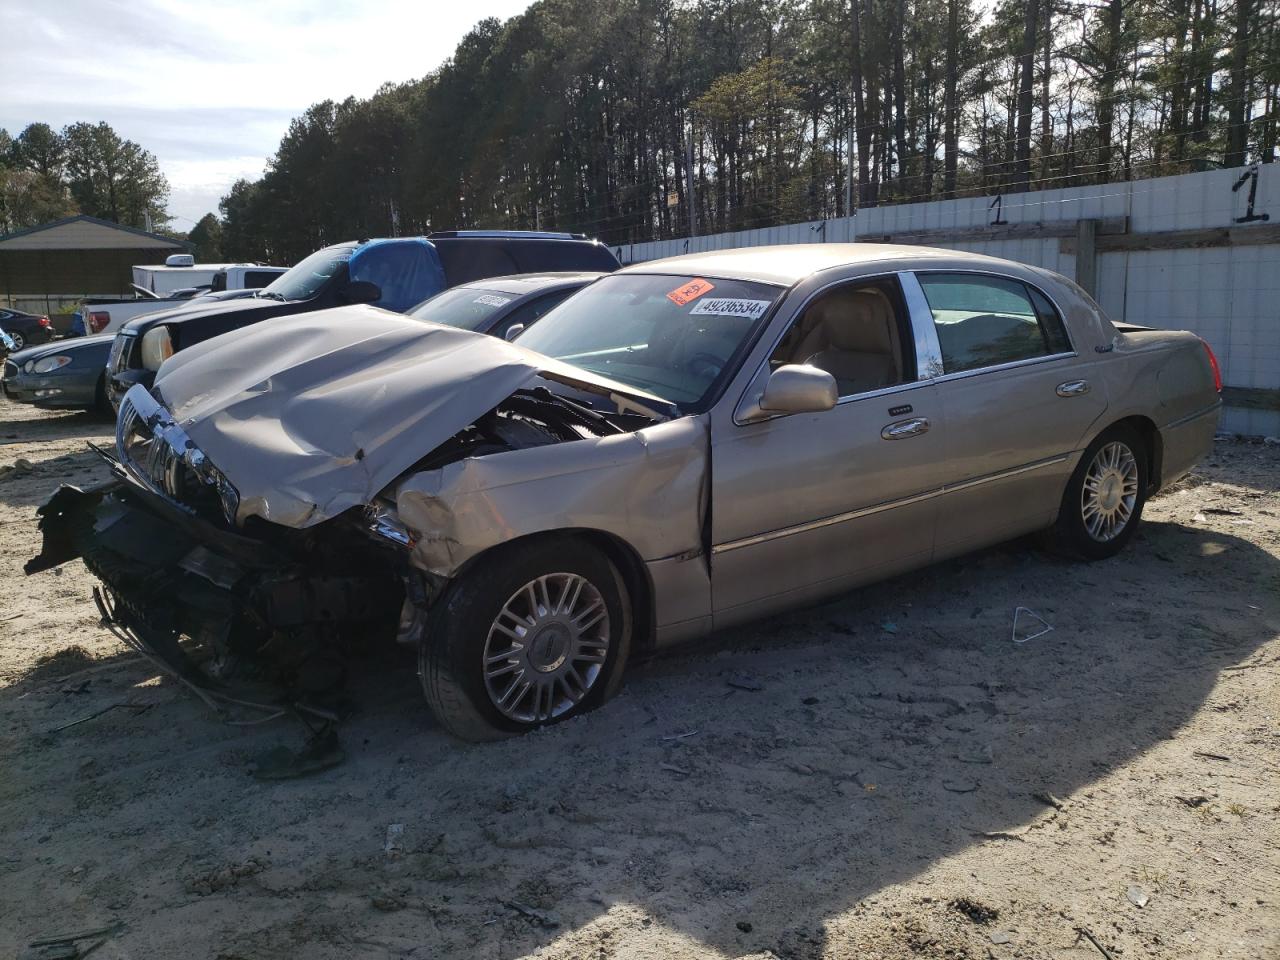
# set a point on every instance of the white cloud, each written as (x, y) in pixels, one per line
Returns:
(210, 89)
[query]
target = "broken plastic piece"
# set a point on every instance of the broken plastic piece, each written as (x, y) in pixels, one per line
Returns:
(1019, 611)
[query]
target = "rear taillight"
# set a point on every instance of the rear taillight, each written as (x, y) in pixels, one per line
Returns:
(98, 320)
(43, 321)
(1213, 365)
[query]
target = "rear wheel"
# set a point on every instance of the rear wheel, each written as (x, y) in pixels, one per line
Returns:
(19, 341)
(534, 635)
(1104, 497)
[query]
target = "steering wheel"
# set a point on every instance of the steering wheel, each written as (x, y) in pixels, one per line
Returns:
(704, 365)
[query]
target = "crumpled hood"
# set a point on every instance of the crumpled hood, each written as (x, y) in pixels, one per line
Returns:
(312, 414)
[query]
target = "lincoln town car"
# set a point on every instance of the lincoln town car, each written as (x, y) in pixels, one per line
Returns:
(680, 447)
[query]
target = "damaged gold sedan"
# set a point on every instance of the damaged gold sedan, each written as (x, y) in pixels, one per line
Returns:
(682, 446)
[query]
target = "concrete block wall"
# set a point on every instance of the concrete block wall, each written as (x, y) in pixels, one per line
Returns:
(1228, 295)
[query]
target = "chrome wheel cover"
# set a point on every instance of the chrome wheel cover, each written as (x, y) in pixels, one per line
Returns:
(1110, 492)
(546, 648)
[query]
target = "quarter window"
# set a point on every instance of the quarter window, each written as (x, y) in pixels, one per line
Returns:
(984, 321)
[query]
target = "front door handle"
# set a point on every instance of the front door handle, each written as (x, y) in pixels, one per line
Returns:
(1073, 388)
(902, 429)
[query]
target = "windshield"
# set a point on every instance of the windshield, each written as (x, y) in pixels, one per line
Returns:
(467, 307)
(670, 336)
(304, 280)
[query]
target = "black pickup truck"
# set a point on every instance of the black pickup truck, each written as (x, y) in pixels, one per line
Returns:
(393, 273)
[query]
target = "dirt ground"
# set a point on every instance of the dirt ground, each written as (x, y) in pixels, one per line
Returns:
(886, 776)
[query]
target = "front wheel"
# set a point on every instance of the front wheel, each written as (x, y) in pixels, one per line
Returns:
(534, 635)
(1104, 497)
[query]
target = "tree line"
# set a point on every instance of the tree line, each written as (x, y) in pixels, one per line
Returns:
(86, 168)
(644, 119)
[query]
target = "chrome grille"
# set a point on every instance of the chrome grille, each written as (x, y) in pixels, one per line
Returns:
(121, 347)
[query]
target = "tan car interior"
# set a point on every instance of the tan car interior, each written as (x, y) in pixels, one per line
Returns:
(852, 333)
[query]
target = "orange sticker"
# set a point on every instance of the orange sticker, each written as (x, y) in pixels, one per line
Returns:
(690, 291)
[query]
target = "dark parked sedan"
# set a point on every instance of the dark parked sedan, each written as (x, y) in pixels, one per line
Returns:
(67, 374)
(25, 329)
(502, 306)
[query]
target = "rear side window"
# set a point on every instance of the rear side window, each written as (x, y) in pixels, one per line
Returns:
(254, 279)
(527, 314)
(553, 255)
(984, 321)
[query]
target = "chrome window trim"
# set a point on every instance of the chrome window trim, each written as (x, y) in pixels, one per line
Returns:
(759, 538)
(840, 401)
(1062, 317)
(996, 368)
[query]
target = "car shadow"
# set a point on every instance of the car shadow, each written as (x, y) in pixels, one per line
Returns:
(786, 771)
(31, 482)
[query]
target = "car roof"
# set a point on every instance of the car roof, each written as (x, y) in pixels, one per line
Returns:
(527, 283)
(786, 264)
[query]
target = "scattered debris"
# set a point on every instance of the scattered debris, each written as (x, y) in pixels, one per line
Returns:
(680, 736)
(979, 913)
(671, 768)
(280, 763)
(889, 627)
(1088, 935)
(745, 926)
(539, 917)
(137, 708)
(960, 786)
(1016, 833)
(1224, 512)
(1195, 802)
(394, 845)
(745, 683)
(1001, 936)
(1137, 896)
(1210, 756)
(1017, 613)
(63, 950)
(1048, 799)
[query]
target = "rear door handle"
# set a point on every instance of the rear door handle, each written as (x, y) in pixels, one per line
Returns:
(1073, 388)
(902, 429)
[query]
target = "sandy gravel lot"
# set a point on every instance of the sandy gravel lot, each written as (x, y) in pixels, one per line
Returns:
(884, 776)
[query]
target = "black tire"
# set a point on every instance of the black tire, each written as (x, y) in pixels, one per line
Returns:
(101, 403)
(19, 341)
(451, 654)
(1071, 533)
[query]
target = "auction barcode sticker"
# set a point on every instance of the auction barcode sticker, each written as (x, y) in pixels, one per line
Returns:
(489, 300)
(730, 307)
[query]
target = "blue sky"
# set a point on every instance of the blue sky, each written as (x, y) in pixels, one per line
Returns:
(210, 88)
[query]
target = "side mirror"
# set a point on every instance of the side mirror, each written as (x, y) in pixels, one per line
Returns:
(513, 331)
(361, 291)
(793, 388)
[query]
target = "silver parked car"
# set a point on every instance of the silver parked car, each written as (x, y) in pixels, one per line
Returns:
(681, 446)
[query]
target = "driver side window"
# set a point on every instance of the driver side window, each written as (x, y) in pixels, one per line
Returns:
(857, 333)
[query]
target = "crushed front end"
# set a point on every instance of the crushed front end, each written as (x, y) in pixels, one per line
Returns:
(264, 600)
